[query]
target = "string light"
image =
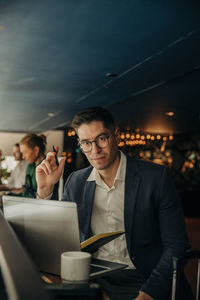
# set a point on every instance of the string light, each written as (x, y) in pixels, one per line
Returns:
(131, 138)
(135, 138)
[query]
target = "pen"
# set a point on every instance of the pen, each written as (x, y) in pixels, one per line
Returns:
(56, 158)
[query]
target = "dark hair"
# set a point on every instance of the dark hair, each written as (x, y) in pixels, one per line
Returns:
(31, 140)
(16, 145)
(94, 114)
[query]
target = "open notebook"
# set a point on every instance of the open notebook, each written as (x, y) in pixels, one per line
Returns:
(47, 228)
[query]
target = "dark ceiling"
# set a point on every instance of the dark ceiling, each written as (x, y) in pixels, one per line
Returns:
(56, 57)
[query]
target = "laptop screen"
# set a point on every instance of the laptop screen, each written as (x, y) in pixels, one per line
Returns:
(46, 228)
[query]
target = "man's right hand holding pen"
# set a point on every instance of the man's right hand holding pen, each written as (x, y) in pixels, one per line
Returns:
(48, 174)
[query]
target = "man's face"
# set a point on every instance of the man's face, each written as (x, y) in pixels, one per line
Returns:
(16, 153)
(100, 158)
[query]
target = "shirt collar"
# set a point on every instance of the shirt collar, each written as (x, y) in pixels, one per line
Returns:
(94, 175)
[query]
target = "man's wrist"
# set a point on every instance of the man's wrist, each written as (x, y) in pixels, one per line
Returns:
(45, 192)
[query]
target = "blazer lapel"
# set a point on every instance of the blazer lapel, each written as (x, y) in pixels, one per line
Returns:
(131, 187)
(88, 198)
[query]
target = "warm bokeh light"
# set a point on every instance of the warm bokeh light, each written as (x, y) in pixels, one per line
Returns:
(121, 144)
(73, 132)
(169, 113)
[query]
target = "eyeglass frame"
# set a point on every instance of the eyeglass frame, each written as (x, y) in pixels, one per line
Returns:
(95, 141)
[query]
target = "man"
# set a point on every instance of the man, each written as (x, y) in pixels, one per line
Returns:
(18, 174)
(117, 192)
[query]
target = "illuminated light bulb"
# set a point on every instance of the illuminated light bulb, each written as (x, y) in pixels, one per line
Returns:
(191, 165)
(137, 135)
(132, 136)
(69, 160)
(51, 114)
(73, 132)
(171, 137)
(164, 138)
(148, 136)
(121, 144)
(142, 137)
(158, 137)
(69, 154)
(69, 133)
(167, 153)
(122, 136)
(170, 160)
(128, 135)
(152, 137)
(127, 142)
(169, 113)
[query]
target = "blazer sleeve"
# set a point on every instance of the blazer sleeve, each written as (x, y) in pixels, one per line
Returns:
(65, 196)
(173, 238)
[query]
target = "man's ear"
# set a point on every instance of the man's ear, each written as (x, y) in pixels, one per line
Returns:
(117, 135)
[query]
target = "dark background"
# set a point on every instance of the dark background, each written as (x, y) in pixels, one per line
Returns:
(138, 58)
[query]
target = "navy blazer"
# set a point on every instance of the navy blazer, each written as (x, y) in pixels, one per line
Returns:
(154, 222)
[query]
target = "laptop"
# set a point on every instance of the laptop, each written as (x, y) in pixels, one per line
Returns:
(47, 228)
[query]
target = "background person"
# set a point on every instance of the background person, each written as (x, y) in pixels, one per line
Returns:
(18, 174)
(121, 193)
(33, 149)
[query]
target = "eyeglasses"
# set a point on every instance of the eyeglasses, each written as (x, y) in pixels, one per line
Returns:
(101, 142)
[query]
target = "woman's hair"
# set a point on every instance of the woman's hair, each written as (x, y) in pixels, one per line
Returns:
(94, 114)
(31, 140)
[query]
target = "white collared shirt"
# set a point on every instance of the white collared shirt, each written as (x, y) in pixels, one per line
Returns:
(108, 214)
(18, 175)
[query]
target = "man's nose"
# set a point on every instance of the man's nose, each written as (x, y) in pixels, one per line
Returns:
(95, 148)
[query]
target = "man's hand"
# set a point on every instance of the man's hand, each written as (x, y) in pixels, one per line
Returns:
(48, 174)
(143, 296)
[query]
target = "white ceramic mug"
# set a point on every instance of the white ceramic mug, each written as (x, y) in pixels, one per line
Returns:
(75, 266)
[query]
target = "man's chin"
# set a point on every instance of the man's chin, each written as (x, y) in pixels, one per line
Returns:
(100, 167)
